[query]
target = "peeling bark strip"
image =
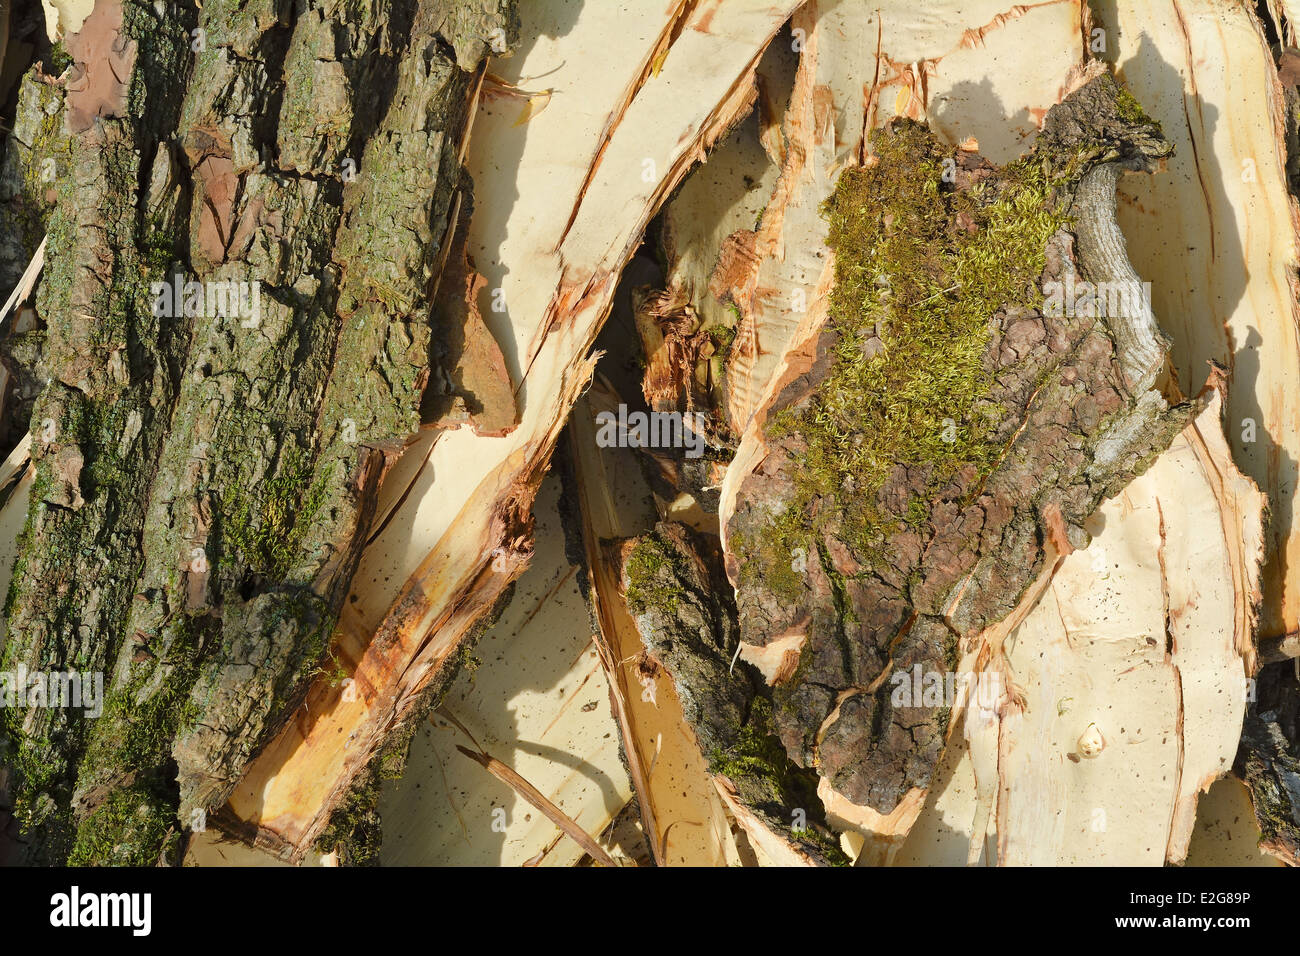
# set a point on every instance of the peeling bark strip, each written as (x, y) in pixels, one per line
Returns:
(475, 384)
(867, 564)
(199, 514)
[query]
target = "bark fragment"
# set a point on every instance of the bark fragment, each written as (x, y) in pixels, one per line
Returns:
(680, 601)
(881, 579)
(681, 811)
(1269, 760)
(472, 382)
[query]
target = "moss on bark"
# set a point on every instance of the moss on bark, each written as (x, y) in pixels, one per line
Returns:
(945, 423)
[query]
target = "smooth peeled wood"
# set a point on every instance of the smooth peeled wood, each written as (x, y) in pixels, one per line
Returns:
(1075, 420)
(1225, 292)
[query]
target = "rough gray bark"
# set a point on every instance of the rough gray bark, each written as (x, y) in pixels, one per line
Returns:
(1269, 763)
(200, 511)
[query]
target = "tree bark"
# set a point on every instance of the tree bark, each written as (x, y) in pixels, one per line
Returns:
(297, 359)
(210, 479)
(1269, 760)
(678, 596)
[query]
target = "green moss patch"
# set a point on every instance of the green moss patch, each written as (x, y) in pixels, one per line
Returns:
(130, 828)
(920, 270)
(266, 520)
(646, 587)
(768, 780)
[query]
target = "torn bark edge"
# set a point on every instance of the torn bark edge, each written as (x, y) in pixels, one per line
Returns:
(596, 580)
(350, 798)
